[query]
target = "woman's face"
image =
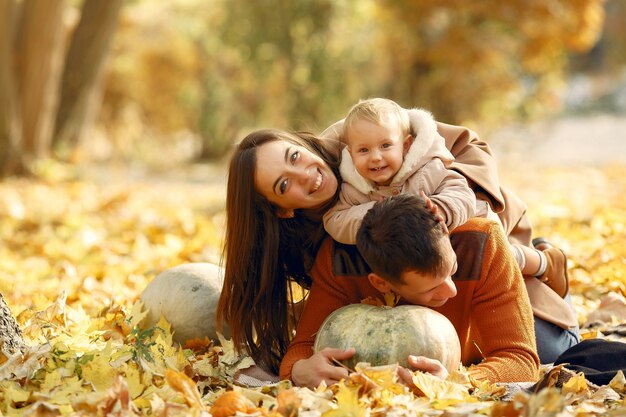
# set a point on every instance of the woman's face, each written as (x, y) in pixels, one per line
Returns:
(292, 177)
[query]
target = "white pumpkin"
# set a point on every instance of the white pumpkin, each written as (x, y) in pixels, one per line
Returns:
(187, 297)
(386, 335)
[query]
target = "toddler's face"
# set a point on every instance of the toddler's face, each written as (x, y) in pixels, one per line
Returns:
(377, 150)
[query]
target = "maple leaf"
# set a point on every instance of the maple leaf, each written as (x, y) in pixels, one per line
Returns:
(185, 386)
(319, 400)
(137, 315)
(13, 392)
(435, 388)
(486, 390)
(373, 301)
(198, 345)
(618, 383)
(347, 403)
(548, 402)
(391, 298)
(288, 402)
(98, 371)
(24, 365)
(230, 361)
(118, 398)
(576, 384)
(379, 382)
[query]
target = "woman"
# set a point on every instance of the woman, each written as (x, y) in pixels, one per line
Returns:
(274, 210)
(268, 244)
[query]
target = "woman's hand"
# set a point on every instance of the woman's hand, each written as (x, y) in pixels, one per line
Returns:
(319, 367)
(424, 364)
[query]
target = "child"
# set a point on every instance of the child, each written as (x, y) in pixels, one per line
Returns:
(385, 158)
(393, 151)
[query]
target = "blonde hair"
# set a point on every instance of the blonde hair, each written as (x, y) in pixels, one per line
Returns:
(375, 110)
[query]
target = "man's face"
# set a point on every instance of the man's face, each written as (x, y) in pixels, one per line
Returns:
(427, 289)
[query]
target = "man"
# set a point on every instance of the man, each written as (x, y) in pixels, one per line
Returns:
(410, 252)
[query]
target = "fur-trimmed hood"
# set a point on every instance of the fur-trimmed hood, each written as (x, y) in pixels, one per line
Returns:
(427, 144)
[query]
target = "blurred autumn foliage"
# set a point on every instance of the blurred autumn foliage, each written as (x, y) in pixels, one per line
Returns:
(185, 79)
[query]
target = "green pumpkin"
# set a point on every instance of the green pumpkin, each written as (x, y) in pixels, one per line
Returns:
(385, 335)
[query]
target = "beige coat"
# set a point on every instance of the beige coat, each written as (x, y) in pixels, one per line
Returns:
(473, 159)
(424, 169)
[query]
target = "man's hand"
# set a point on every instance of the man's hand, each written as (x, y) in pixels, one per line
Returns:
(319, 367)
(424, 364)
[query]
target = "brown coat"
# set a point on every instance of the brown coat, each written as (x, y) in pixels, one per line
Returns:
(474, 159)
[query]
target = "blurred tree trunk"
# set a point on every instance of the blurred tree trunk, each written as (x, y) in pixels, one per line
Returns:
(39, 52)
(9, 113)
(83, 68)
(11, 341)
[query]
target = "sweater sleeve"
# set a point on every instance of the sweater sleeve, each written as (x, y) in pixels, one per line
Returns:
(502, 313)
(343, 220)
(450, 191)
(324, 297)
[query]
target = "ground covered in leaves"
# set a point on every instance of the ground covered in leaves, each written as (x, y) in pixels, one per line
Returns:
(76, 254)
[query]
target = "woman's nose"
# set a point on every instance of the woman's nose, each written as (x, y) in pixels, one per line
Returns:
(301, 174)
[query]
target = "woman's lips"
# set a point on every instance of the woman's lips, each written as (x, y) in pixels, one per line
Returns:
(318, 182)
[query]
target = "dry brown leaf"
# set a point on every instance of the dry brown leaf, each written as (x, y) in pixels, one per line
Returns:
(185, 386)
(288, 403)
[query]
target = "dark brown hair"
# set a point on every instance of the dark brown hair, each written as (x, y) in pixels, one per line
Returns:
(263, 253)
(400, 234)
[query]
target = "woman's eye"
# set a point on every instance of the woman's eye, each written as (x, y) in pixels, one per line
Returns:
(282, 186)
(294, 156)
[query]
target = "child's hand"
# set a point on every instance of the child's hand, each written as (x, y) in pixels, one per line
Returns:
(435, 210)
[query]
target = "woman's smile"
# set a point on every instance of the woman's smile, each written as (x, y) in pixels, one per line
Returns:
(292, 177)
(318, 182)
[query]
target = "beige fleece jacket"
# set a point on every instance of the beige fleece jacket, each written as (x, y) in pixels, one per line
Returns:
(425, 168)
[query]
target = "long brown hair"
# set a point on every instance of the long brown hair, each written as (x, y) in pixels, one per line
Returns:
(263, 253)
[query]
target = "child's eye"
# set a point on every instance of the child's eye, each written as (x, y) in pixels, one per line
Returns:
(362, 150)
(386, 145)
(294, 156)
(282, 186)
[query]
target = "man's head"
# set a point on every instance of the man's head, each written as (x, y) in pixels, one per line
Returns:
(408, 250)
(377, 132)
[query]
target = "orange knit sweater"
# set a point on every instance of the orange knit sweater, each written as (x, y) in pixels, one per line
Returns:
(491, 309)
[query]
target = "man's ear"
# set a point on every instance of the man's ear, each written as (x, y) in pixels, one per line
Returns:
(285, 213)
(379, 283)
(408, 141)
